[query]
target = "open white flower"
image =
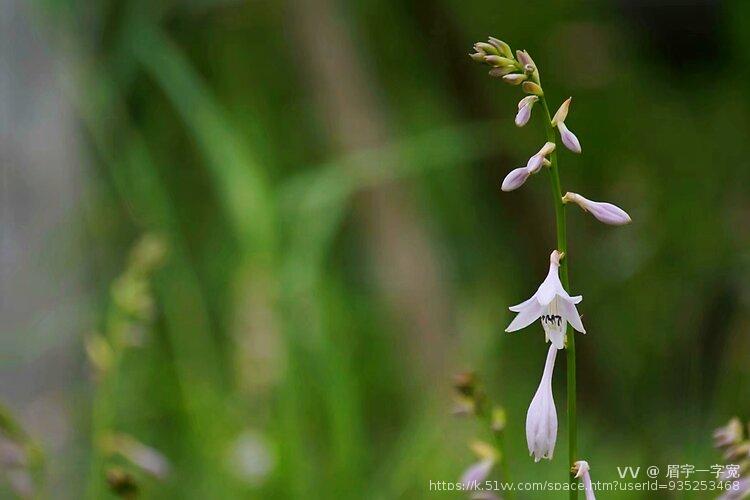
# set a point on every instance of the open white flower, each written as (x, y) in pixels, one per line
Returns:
(552, 304)
(581, 470)
(541, 418)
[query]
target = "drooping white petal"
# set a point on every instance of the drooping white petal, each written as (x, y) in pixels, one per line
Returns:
(541, 417)
(568, 311)
(569, 138)
(515, 179)
(526, 316)
(522, 305)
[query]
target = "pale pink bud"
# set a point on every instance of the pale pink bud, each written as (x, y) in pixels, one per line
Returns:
(523, 116)
(604, 212)
(524, 58)
(515, 179)
(529, 99)
(581, 470)
(515, 78)
(569, 138)
(475, 475)
(501, 72)
(535, 163)
(562, 112)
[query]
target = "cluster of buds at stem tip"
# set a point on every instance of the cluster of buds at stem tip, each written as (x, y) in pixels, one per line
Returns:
(568, 138)
(518, 176)
(580, 471)
(513, 69)
(604, 212)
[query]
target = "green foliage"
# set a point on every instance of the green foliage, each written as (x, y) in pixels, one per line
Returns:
(283, 361)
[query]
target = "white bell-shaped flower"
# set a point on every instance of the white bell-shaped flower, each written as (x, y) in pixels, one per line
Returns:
(552, 304)
(541, 418)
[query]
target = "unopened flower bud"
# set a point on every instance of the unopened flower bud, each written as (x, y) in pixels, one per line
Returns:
(581, 471)
(515, 179)
(523, 116)
(569, 138)
(532, 88)
(501, 46)
(474, 476)
(562, 112)
(524, 58)
(535, 163)
(541, 418)
(478, 56)
(529, 69)
(501, 72)
(547, 149)
(515, 78)
(499, 61)
(604, 212)
(486, 48)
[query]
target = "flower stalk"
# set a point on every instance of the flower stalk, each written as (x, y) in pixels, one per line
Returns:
(552, 303)
(562, 246)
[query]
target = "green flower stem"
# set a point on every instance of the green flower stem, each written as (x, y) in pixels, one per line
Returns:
(562, 246)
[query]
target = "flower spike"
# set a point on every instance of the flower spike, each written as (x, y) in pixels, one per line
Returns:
(604, 212)
(541, 417)
(552, 304)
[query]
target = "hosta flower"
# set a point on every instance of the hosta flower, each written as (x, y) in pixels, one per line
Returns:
(568, 138)
(524, 110)
(581, 470)
(552, 304)
(604, 212)
(541, 419)
(518, 176)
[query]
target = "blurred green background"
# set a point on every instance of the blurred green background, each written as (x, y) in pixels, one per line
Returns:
(323, 177)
